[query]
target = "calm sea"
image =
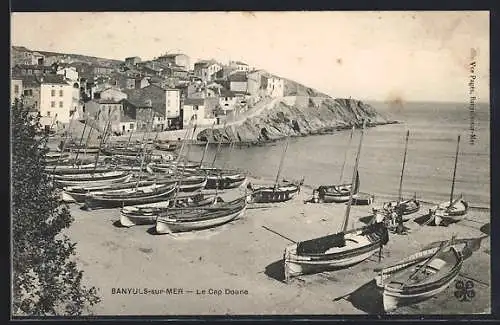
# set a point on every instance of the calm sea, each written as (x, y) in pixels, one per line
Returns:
(433, 127)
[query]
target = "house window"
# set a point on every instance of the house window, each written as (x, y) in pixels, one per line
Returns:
(52, 104)
(53, 92)
(16, 89)
(61, 93)
(61, 104)
(131, 126)
(48, 113)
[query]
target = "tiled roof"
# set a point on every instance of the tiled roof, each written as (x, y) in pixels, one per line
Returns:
(53, 79)
(194, 101)
(126, 118)
(226, 93)
(173, 55)
(137, 103)
(238, 77)
(205, 63)
(108, 101)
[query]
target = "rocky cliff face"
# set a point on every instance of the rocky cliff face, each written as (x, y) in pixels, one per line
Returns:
(298, 116)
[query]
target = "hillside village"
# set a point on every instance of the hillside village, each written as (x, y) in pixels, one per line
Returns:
(167, 92)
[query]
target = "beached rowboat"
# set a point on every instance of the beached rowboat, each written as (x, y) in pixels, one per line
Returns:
(145, 214)
(91, 179)
(334, 251)
(337, 193)
(271, 194)
(423, 280)
(132, 196)
(189, 219)
(408, 206)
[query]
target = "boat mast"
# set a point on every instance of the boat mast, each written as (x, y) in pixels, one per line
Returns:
(179, 181)
(345, 155)
(83, 133)
(206, 146)
(400, 193)
(454, 172)
(354, 174)
(101, 143)
(65, 139)
(144, 152)
(281, 164)
(218, 145)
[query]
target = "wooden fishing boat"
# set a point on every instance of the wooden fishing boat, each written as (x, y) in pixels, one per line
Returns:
(129, 152)
(337, 193)
(408, 206)
(280, 191)
(403, 206)
(271, 194)
(457, 208)
(339, 250)
(224, 179)
(55, 156)
(146, 214)
(169, 146)
(362, 199)
(189, 219)
(190, 183)
(334, 251)
(76, 169)
(92, 179)
(466, 246)
(79, 193)
(88, 150)
(168, 167)
(422, 280)
(140, 195)
(453, 207)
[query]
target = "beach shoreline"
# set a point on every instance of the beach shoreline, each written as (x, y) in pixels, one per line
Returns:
(244, 258)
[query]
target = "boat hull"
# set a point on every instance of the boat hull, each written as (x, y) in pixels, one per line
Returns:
(295, 267)
(228, 182)
(458, 209)
(392, 301)
(93, 201)
(359, 246)
(163, 227)
(203, 219)
(409, 206)
(270, 195)
(397, 294)
(129, 217)
(97, 182)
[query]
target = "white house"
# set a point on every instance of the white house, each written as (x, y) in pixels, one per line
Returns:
(275, 87)
(240, 66)
(69, 73)
(238, 82)
(194, 109)
(206, 69)
(56, 98)
(173, 103)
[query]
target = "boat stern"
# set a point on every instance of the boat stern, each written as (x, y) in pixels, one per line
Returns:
(125, 221)
(391, 303)
(161, 227)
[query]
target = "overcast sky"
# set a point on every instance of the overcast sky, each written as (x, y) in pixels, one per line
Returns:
(367, 55)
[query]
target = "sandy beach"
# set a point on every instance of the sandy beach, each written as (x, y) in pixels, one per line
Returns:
(236, 269)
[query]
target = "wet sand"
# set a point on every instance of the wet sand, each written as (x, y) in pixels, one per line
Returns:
(245, 257)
